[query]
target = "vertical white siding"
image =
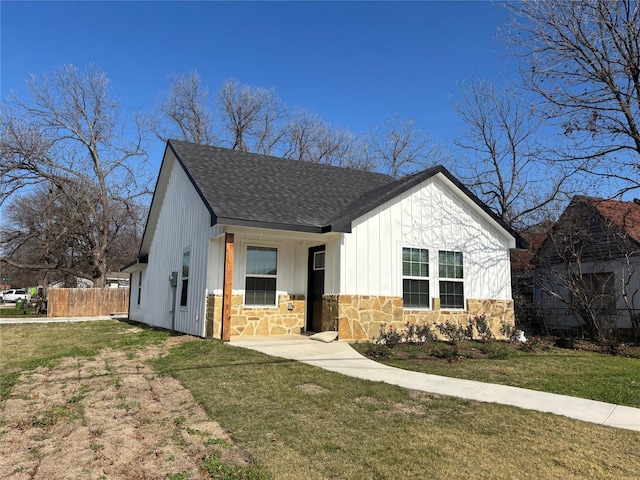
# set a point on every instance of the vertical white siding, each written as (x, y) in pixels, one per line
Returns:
(433, 216)
(183, 224)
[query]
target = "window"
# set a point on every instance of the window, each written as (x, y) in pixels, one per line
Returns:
(261, 274)
(451, 279)
(139, 286)
(318, 261)
(415, 278)
(185, 278)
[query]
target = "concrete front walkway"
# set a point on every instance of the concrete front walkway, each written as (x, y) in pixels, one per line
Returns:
(340, 357)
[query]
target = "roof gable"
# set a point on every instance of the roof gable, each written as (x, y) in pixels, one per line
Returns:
(624, 215)
(593, 229)
(247, 189)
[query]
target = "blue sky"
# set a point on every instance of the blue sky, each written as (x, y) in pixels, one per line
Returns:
(353, 63)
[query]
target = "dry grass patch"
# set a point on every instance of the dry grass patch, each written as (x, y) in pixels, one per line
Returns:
(108, 416)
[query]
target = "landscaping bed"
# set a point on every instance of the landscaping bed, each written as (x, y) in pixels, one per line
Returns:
(536, 364)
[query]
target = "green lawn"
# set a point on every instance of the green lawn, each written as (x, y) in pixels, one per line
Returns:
(595, 376)
(298, 421)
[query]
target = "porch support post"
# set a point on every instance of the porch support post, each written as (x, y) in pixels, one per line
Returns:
(226, 288)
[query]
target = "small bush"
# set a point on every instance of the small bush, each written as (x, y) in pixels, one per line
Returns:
(389, 337)
(533, 345)
(482, 327)
(454, 332)
(418, 333)
(510, 332)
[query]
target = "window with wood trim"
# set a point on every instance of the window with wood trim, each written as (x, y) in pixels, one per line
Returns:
(184, 290)
(415, 278)
(451, 277)
(261, 275)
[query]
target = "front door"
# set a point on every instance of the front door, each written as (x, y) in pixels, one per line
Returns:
(315, 288)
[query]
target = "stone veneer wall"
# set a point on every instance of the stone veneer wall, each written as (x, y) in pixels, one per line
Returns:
(257, 321)
(355, 317)
(360, 317)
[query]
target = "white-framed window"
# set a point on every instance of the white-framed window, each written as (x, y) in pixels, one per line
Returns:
(415, 278)
(184, 289)
(139, 286)
(451, 277)
(261, 276)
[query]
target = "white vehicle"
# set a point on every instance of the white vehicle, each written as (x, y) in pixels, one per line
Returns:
(14, 294)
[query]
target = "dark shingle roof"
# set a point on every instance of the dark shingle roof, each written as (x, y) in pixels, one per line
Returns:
(249, 189)
(242, 188)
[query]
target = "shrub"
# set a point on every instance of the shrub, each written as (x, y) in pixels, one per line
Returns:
(454, 332)
(533, 345)
(389, 337)
(510, 332)
(418, 333)
(483, 328)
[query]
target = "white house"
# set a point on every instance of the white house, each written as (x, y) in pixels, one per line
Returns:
(245, 244)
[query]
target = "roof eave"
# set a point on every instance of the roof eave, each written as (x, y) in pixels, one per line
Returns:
(239, 222)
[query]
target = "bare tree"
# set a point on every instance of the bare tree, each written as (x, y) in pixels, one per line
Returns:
(507, 167)
(46, 228)
(398, 147)
(69, 137)
(185, 107)
(250, 117)
(583, 60)
(309, 138)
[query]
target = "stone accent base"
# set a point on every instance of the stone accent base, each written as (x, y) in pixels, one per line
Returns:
(361, 317)
(257, 321)
(355, 317)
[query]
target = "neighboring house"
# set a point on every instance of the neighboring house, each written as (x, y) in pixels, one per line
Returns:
(117, 280)
(523, 278)
(588, 264)
(244, 244)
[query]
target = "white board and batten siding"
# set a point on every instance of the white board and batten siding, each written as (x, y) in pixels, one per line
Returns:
(433, 215)
(183, 224)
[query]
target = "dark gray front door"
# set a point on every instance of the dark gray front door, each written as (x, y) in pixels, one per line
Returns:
(315, 288)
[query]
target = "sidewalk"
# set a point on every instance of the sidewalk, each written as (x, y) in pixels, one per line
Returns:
(341, 358)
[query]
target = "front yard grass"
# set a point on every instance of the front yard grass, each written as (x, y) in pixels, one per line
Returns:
(299, 421)
(585, 374)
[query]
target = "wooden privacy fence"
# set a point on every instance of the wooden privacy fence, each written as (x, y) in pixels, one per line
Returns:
(87, 302)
